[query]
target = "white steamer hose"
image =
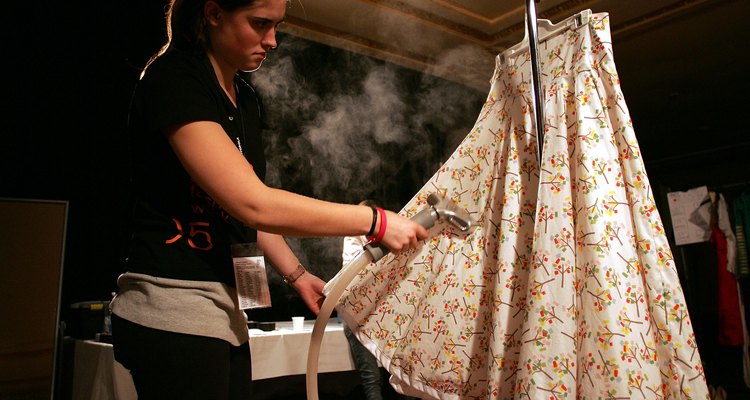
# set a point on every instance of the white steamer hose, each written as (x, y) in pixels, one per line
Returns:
(345, 276)
(439, 208)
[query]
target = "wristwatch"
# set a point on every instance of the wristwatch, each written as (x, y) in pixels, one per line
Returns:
(291, 278)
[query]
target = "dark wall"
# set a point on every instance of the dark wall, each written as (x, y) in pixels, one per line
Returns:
(342, 127)
(73, 67)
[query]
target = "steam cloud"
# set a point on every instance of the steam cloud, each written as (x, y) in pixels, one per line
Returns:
(345, 127)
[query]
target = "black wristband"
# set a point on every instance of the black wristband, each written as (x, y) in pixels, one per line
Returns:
(374, 221)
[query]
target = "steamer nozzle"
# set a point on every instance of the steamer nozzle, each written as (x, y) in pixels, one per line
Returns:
(440, 209)
(447, 209)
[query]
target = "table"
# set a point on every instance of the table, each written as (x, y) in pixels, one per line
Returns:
(275, 354)
(96, 374)
(283, 351)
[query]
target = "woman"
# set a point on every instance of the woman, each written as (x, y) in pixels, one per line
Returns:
(197, 178)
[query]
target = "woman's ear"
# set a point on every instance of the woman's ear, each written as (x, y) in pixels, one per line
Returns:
(211, 12)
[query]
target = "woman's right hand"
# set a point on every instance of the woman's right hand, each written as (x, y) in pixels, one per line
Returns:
(401, 233)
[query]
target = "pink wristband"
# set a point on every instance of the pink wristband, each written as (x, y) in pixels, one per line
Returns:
(383, 225)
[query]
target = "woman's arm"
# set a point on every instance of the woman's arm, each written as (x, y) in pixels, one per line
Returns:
(215, 163)
(277, 251)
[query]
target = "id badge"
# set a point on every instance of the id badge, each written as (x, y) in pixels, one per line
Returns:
(250, 276)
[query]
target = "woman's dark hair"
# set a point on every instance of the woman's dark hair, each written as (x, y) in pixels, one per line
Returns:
(186, 25)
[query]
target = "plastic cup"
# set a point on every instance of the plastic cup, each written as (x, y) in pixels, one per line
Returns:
(298, 323)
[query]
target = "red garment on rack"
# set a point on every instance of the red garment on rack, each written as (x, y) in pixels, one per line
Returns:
(730, 321)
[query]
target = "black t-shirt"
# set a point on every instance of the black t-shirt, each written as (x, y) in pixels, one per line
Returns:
(177, 230)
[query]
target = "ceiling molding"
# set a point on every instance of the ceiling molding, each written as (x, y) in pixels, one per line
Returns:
(435, 28)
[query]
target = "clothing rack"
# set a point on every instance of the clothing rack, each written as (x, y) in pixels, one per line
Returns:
(536, 76)
(538, 31)
(743, 185)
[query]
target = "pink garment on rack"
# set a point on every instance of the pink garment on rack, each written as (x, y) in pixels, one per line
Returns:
(566, 286)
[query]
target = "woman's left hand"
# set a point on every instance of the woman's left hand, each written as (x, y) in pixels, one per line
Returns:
(310, 289)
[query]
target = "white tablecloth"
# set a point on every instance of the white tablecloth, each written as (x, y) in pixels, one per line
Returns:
(282, 352)
(96, 374)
